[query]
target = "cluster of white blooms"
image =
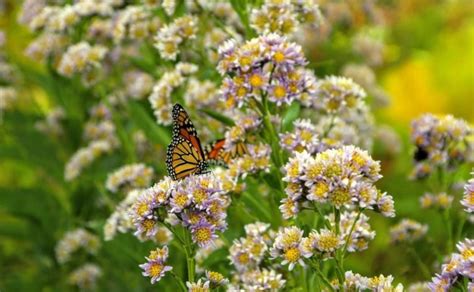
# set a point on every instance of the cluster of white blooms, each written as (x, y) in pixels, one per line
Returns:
(84, 157)
(407, 231)
(46, 45)
(73, 241)
(138, 85)
(8, 95)
(171, 36)
(99, 132)
(285, 16)
(128, 177)
(160, 98)
(247, 255)
(51, 125)
(357, 282)
(86, 276)
(81, 58)
(136, 23)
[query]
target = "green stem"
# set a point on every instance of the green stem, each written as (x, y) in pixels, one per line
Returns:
(329, 128)
(190, 261)
(449, 230)
(346, 244)
(424, 269)
(179, 281)
(323, 278)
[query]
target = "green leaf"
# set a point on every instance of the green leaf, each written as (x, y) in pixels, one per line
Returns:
(142, 119)
(220, 117)
(291, 115)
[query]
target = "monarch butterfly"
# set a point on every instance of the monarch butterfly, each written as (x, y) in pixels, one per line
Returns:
(216, 152)
(184, 155)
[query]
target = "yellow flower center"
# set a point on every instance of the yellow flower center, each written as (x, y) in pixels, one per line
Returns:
(256, 80)
(292, 254)
(148, 224)
(340, 197)
(279, 92)
(199, 196)
(155, 269)
(181, 199)
(279, 57)
(328, 242)
(203, 234)
(243, 258)
(142, 208)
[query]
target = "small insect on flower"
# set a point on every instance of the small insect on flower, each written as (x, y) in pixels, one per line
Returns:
(156, 267)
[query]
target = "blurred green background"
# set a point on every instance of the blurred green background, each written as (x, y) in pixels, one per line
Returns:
(429, 68)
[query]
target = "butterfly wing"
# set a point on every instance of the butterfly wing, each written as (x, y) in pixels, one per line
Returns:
(216, 152)
(185, 155)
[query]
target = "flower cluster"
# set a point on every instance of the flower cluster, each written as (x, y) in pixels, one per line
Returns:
(343, 178)
(370, 48)
(365, 77)
(265, 67)
(284, 16)
(407, 231)
(303, 137)
(468, 198)
(73, 241)
(196, 202)
(51, 125)
(355, 230)
(81, 58)
(348, 128)
(138, 84)
(86, 276)
(160, 98)
(135, 23)
(84, 157)
(244, 124)
(338, 95)
(128, 177)
(99, 131)
(156, 267)
(358, 282)
(45, 45)
(171, 36)
(247, 255)
(8, 95)
(438, 201)
(441, 142)
(460, 266)
(257, 159)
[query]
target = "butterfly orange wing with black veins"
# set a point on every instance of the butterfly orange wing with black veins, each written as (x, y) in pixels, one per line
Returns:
(184, 156)
(216, 152)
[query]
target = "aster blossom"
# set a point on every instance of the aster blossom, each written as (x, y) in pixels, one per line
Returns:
(267, 65)
(156, 267)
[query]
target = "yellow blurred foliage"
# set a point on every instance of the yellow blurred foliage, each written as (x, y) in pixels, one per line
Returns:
(439, 81)
(413, 91)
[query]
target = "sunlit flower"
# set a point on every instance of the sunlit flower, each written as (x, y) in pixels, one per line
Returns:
(129, 177)
(86, 276)
(73, 241)
(468, 198)
(156, 267)
(407, 231)
(441, 142)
